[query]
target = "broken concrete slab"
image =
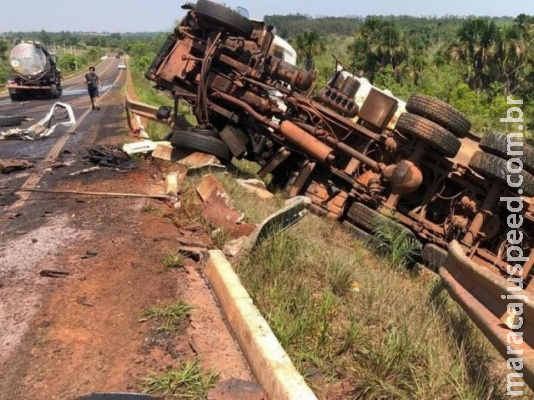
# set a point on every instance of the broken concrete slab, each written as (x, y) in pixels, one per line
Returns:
(173, 182)
(234, 247)
(9, 165)
(164, 152)
(255, 186)
(218, 211)
(208, 186)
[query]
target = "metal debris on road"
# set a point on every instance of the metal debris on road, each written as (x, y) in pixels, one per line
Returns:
(44, 128)
(110, 157)
(48, 273)
(85, 171)
(103, 194)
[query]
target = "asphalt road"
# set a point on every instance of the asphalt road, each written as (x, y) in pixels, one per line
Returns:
(74, 94)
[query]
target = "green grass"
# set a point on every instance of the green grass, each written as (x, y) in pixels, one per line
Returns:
(186, 382)
(363, 320)
(172, 259)
(168, 317)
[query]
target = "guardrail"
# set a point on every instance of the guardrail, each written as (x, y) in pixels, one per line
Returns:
(139, 113)
(486, 298)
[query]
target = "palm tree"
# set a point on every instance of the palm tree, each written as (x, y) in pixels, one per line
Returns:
(309, 45)
(476, 47)
(376, 45)
(511, 57)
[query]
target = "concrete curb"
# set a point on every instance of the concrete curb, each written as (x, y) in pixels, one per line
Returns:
(268, 360)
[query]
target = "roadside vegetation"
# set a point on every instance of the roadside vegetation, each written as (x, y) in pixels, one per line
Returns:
(186, 382)
(360, 325)
(472, 63)
(168, 317)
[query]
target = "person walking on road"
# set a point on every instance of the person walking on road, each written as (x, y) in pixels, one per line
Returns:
(93, 84)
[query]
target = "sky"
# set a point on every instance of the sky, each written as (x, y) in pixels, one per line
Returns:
(161, 15)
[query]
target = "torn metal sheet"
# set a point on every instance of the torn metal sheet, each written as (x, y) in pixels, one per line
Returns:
(44, 127)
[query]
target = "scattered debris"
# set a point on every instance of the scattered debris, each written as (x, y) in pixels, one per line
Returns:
(85, 171)
(200, 162)
(144, 146)
(255, 186)
(110, 157)
(192, 241)
(42, 128)
(173, 181)
(82, 300)
(53, 274)
(89, 254)
(9, 165)
(233, 247)
(218, 211)
(103, 194)
(164, 152)
(195, 253)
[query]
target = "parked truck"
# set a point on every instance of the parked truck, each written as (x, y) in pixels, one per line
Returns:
(35, 72)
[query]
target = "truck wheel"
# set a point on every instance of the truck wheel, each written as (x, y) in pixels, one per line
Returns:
(15, 96)
(227, 18)
(356, 232)
(53, 92)
(10, 120)
(439, 112)
(497, 144)
(195, 141)
(495, 167)
(437, 137)
(370, 219)
(433, 256)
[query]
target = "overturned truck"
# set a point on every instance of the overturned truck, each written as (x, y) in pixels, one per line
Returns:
(359, 153)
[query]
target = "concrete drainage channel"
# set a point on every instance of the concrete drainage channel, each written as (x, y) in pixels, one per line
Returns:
(269, 362)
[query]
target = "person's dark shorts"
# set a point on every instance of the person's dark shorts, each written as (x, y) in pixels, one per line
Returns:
(93, 92)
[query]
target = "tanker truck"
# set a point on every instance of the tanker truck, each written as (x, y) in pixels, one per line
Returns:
(35, 72)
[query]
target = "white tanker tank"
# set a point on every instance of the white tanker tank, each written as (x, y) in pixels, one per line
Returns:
(36, 72)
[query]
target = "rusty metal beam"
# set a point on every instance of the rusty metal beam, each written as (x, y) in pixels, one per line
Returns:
(479, 292)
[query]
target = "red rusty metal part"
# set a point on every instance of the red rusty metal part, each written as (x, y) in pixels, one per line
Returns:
(479, 291)
(304, 140)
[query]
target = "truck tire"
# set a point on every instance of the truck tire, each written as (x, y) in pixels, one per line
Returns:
(54, 93)
(356, 232)
(433, 256)
(437, 137)
(494, 167)
(367, 218)
(225, 17)
(439, 112)
(17, 96)
(195, 141)
(497, 144)
(10, 120)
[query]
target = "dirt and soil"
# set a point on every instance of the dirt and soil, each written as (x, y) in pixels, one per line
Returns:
(67, 336)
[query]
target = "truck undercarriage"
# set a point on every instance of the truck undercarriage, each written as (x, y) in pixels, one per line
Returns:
(361, 155)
